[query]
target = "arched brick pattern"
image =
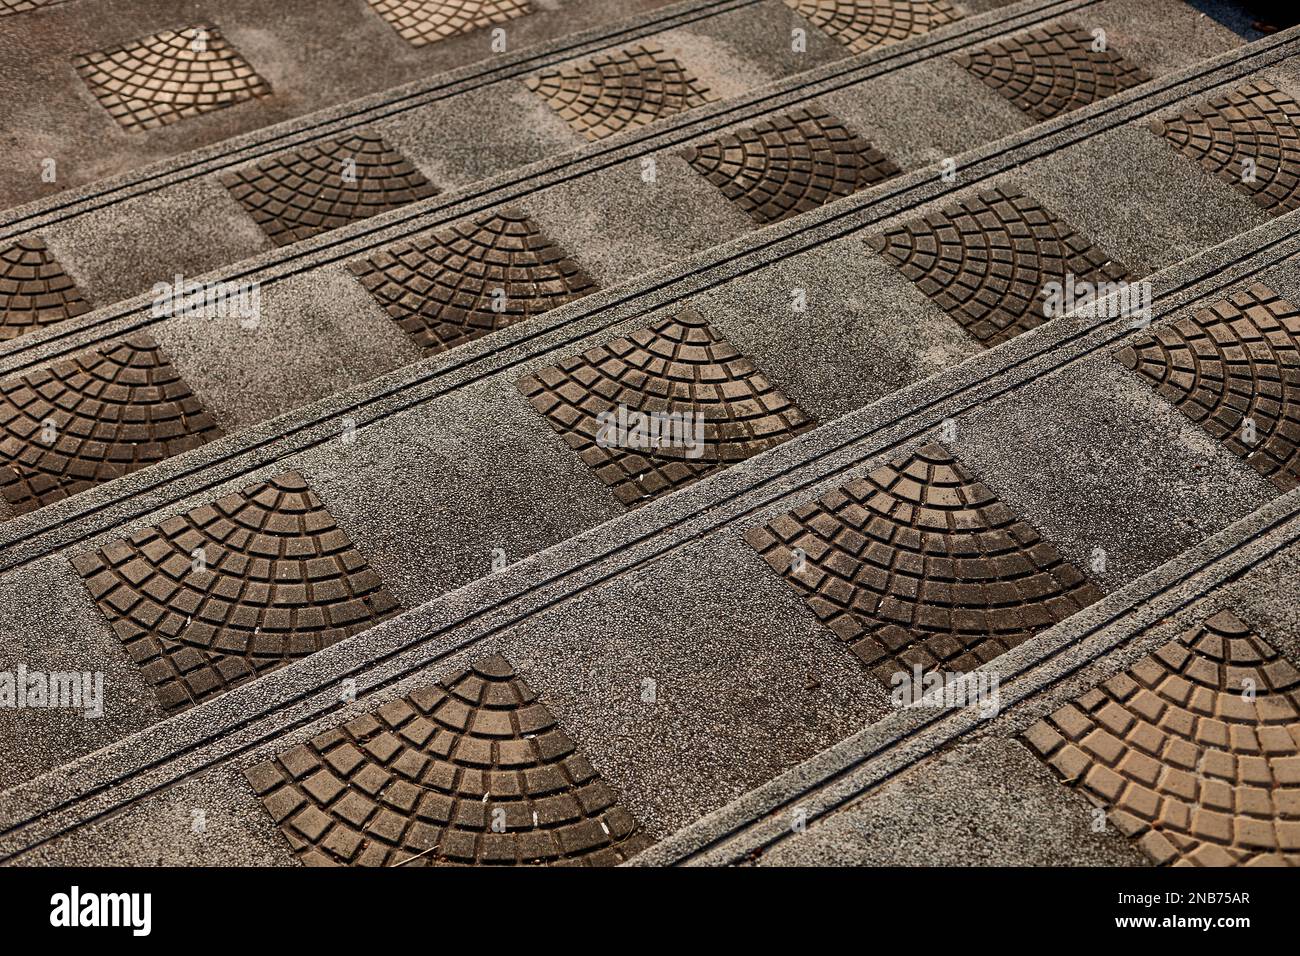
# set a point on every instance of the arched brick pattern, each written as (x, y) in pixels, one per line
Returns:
(617, 91)
(34, 289)
(1194, 751)
(986, 261)
(325, 186)
(421, 22)
(92, 418)
(727, 408)
(1234, 362)
(790, 164)
(163, 78)
(472, 771)
(917, 564)
(459, 283)
(866, 24)
(212, 598)
(1256, 123)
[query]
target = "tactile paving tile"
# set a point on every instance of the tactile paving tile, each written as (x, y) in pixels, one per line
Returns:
(617, 91)
(472, 771)
(1195, 750)
(212, 598)
(1257, 122)
(34, 289)
(22, 6)
(1237, 360)
(421, 22)
(790, 164)
(462, 282)
(94, 417)
(986, 260)
(866, 24)
(1053, 69)
(679, 366)
(162, 78)
(917, 564)
(324, 186)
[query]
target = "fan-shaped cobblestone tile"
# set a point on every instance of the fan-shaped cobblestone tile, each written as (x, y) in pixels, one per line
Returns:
(617, 91)
(325, 186)
(1194, 751)
(1249, 138)
(866, 24)
(34, 289)
(462, 282)
(789, 164)
(472, 771)
(918, 565)
(988, 260)
(679, 382)
(1053, 69)
(1234, 369)
(22, 6)
(421, 22)
(92, 418)
(212, 598)
(168, 76)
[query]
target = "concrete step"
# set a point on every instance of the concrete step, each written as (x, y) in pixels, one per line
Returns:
(637, 632)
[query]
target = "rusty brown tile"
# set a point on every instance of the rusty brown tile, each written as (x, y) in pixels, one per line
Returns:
(8, 7)
(34, 289)
(168, 76)
(1194, 751)
(681, 366)
(471, 771)
(1053, 69)
(460, 283)
(210, 599)
(790, 164)
(421, 22)
(986, 261)
(917, 564)
(617, 91)
(1234, 369)
(92, 418)
(325, 186)
(866, 24)
(1249, 138)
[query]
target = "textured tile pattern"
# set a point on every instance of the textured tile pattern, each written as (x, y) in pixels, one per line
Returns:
(325, 186)
(34, 289)
(462, 282)
(986, 260)
(1235, 363)
(421, 22)
(210, 599)
(679, 366)
(790, 164)
(92, 418)
(618, 91)
(1191, 765)
(472, 771)
(919, 565)
(169, 76)
(1051, 70)
(22, 6)
(866, 24)
(1256, 124)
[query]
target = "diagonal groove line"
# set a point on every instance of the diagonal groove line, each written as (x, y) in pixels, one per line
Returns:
(477, 362)
(1041, 652)
(516, 185)
(306, 129)
(711, 514)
